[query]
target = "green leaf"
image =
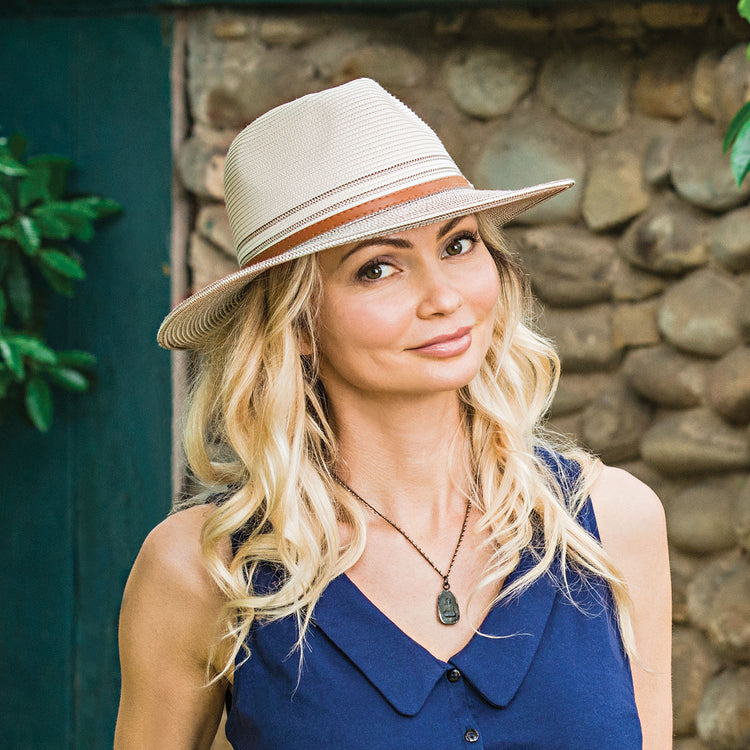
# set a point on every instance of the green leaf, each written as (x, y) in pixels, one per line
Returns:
(3, 307)
(740, 157)
(17, 145)
(82, 206)
(39, 403)
(34, 186)
(27, 234)
(78, 218)
(31, 346)
(69, 379)
(100, 207)
(73, 209)
(63, 263)
(743, 8)
(10, 166)
(83, 230)
(57, 170)
(6, 205)
(13, 359)
(50, 226)
(18, 287)
(76, 358)
(738, 122)
(61, 284)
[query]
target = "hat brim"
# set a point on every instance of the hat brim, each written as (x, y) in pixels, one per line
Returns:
(189, 323)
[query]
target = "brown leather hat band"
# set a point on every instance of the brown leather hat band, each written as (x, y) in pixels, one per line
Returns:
(357, 212)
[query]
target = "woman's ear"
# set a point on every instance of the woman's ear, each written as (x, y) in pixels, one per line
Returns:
(304, 342)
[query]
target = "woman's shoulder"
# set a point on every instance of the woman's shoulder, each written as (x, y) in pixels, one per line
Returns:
(632, 526)
(174, 546)
(625, 507)
(619, 499)
(171, 572)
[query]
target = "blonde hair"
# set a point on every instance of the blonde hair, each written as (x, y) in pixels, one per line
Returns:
(257, 428)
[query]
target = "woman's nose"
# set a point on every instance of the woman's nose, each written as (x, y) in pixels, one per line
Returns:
(438, 294)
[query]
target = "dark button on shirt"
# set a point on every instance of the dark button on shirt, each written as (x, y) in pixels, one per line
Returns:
(454, 675)
(471, 735)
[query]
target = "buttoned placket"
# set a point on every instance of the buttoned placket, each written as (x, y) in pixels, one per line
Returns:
(469, 732)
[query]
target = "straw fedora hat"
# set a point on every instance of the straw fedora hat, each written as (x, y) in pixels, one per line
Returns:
(333, 167)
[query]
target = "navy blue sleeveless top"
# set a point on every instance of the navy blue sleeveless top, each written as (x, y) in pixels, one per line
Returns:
(556, 678)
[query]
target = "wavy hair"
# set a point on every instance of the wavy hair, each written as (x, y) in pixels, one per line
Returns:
(257, 431)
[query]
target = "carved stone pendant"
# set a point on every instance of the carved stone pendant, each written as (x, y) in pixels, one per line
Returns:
(447, 608)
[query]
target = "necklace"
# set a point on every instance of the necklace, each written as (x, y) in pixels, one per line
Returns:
(447, 604)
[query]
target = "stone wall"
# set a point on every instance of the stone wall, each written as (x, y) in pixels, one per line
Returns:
(643, 269)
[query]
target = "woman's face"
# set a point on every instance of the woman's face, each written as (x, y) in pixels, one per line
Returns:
(408, 313)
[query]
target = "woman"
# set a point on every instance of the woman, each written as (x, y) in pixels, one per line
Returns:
(394, 555)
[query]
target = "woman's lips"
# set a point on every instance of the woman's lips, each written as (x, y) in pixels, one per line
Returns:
(448, 345)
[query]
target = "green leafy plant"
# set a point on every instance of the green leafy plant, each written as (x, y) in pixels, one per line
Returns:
(738, 134)
(37, 221)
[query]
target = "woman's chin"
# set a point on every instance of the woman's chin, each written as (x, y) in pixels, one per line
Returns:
(442, 382)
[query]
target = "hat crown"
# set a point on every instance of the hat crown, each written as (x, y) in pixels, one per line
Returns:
(317, 155)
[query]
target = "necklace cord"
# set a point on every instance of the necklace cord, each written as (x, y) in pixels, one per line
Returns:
(444, 576)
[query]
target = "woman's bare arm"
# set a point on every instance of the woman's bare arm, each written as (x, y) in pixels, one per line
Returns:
(167, 625)
(633, 531)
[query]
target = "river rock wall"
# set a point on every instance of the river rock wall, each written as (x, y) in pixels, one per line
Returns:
(642, 270)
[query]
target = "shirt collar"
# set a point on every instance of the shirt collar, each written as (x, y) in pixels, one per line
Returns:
(405, 673)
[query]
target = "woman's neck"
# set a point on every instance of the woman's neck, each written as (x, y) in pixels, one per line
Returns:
(407, 457)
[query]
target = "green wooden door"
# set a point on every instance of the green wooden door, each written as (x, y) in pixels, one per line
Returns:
(77, 502)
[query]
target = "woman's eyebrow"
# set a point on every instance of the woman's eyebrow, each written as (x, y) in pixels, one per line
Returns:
(396, 242)
(392, 241)
(448, 226)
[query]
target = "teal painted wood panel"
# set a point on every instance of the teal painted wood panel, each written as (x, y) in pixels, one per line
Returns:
(37, 567)
(78, 501)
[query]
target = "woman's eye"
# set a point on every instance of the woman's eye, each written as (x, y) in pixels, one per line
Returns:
(376, 270)
(459, 245)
